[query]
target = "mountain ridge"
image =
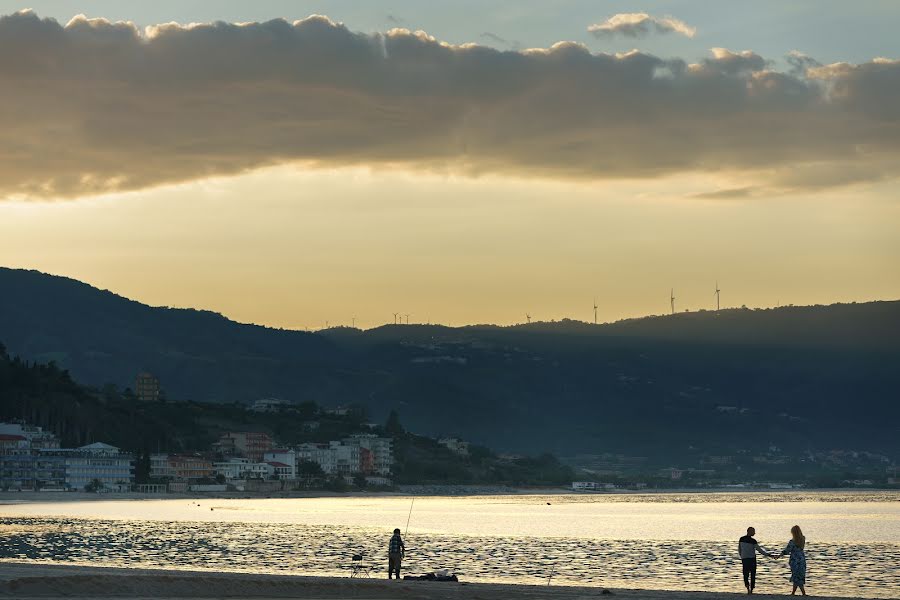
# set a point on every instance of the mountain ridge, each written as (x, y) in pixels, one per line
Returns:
(635, 386)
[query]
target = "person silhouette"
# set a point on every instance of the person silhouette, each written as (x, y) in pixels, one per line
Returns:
(747, 549)
(797, 559)
(396, 551)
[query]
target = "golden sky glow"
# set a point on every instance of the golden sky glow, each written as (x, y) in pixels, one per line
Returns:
(293, 248)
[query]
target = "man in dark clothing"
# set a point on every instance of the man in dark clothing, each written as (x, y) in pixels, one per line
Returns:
(747, 549)
(396, 551)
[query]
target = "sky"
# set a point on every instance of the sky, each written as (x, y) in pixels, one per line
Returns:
(297, 164)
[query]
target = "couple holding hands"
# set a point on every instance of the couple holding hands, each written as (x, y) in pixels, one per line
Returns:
(748, 547)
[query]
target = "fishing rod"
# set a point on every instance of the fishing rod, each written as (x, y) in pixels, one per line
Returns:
(410, 516)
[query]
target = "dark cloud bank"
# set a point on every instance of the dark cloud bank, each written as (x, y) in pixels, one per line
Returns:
(95, 106)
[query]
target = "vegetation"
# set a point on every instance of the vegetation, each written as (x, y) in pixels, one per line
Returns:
(672, 390)
(422, 460)
(46, 396)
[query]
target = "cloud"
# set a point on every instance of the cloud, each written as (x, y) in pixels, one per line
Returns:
(635, 25)
(800, 63)
(494, 37)
(94, 106)
(727, 193)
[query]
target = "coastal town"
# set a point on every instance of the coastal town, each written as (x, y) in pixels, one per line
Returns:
(32, 459)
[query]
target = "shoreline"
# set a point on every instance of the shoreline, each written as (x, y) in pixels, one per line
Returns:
(28, 497)
(22, 579)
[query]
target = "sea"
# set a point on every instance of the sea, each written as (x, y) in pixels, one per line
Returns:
(674, 541)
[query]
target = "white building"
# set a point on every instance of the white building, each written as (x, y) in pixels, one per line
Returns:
(279, 470)
(283, 456)
(242, 468)
(160, 468)
(380, 447)
(315, 453)
(586, 486)
(269, 405)
(346, 458)
(99, 464)
(334, 458)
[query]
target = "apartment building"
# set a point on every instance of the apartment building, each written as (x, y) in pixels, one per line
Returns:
(246, 444)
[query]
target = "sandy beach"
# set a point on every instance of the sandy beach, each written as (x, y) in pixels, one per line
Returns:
(31, 580)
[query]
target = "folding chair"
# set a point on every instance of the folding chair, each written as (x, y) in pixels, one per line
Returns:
(358, 566)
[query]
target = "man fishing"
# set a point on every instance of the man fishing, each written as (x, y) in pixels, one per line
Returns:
(396, 551)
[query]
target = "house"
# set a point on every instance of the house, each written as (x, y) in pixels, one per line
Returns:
(283, 456)
(279, 470)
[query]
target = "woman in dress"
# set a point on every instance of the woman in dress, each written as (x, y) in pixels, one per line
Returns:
(797, 560)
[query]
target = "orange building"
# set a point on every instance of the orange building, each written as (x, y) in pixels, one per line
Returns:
(190, 467)
(146, 387)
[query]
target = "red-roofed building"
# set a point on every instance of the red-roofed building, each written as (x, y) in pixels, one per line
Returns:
(13, 444)
(38, 439)
(286, 457)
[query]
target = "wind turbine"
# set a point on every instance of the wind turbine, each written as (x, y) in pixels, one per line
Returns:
(717, 295)
(595, 310)
(395, 317)
(672, 300)
(528, 317)
(407, 318)
(353, 320)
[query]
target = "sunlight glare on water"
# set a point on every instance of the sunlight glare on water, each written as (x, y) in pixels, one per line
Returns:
(678, 541)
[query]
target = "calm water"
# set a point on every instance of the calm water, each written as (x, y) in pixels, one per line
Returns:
(684, 541)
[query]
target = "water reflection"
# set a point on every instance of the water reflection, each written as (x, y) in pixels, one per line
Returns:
(855, 569)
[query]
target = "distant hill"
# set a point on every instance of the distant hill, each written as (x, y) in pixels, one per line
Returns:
(800, 378)
(104, 338)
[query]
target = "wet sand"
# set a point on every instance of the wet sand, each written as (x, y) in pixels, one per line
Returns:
(41, 580)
